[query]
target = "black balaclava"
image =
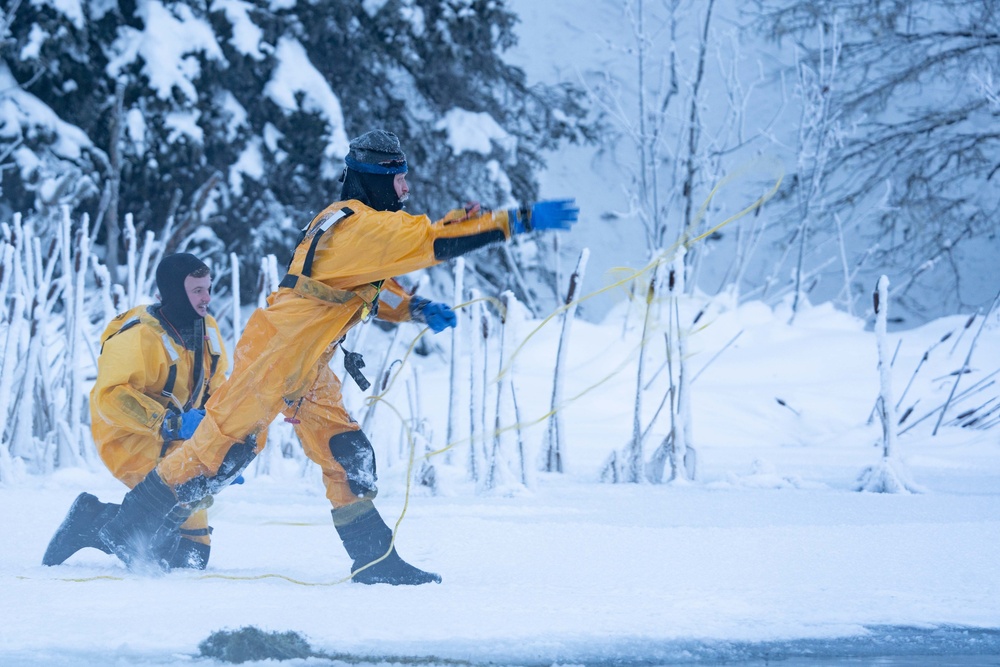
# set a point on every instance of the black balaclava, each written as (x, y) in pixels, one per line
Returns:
(372, 164)
(170, 274)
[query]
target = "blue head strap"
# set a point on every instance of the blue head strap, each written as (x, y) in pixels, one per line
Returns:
(393, 167)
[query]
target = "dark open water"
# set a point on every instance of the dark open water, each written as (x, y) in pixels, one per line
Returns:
(884, 646)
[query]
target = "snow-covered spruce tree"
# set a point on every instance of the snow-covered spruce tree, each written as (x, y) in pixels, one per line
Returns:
(918, 89)
(233, 116)
(431, 71)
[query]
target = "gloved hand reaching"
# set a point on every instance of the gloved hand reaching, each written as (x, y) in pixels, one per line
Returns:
(437, 316)
(181, 425)
(551, 214)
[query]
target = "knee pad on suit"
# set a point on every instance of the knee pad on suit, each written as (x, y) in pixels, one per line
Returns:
(236, 460)
(355, 454)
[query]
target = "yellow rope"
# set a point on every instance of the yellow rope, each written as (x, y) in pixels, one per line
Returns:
(392, 541)
(77, 579)
(229, 577)
(521, 425)
(763, 161)
(378, 397)
(259, 577)
(666, 255)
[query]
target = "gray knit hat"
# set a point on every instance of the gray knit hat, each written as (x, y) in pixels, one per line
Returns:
(376, 152)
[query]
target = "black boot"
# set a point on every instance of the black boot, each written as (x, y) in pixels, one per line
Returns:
(86, 516)
(367, 538)
(187, 554)
(147, 523)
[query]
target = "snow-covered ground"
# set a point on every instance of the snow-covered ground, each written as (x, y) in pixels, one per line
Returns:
(769, 546)
(770, 553)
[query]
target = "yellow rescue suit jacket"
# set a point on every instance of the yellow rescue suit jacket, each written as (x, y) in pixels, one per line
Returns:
(344, 266)
(127, 404)
(340, 271)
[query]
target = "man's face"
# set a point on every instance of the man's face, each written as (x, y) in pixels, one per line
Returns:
(199, 291)
(402, 187)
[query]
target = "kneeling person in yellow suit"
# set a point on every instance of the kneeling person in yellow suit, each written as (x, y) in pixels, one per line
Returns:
(341, 274)
(158, 366)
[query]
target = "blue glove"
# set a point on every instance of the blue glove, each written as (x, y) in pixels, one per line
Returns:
(436, 315)
(552, 214)
(181, 426)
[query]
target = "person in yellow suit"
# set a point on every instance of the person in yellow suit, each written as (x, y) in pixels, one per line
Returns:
(158, 366)
(341, 274)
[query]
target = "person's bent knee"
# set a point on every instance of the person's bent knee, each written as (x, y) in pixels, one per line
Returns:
(355, 454)
(236, 460)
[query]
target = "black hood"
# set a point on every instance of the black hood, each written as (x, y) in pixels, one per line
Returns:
(374, 190)
(170, 276)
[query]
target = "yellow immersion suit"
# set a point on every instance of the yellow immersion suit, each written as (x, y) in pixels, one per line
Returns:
(138, 361)
(342, 269)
